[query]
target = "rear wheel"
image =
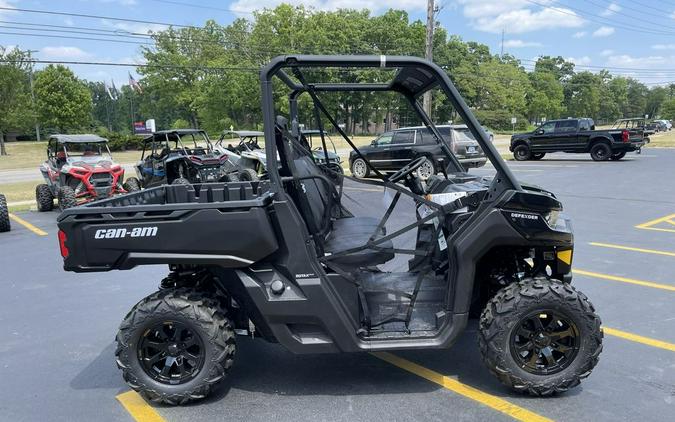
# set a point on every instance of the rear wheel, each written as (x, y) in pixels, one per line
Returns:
(44, 198)
(522, 153)
(426, 170)
(601, 152)
(5, 226)
(617, 156)
(540, 336)
(360, 169)
(66, 197)
(248, 175)
(132, 184)
(175, 345)
(180, 181)
(538, 155)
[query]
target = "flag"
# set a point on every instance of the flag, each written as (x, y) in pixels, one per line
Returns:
(108, 90)
(134, 84)
(115, 92)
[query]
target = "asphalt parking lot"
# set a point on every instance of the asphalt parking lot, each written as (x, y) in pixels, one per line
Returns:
(58, 328)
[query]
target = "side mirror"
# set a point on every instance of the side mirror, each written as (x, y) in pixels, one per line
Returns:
(373, 143)
(540, 131)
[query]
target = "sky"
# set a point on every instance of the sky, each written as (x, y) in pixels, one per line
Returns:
(631, 38)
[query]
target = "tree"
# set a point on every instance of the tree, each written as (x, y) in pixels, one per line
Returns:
(63, 101)
(560, 68)
(15, 106)
(668, 109)
(546, 97)
(582, 95)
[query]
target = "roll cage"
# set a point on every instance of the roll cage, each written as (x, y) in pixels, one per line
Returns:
(414, 76)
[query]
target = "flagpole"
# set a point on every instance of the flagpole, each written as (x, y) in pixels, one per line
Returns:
(131, 105)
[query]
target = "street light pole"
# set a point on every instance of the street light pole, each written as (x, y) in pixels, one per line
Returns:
(32, 93)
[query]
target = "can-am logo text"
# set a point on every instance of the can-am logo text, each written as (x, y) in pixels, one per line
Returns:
(525, 216)
(122, 233)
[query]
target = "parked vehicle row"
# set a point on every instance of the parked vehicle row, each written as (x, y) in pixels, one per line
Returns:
(578, 136)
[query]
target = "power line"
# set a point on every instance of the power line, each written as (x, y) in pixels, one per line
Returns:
(603, 21)
(200, 6)
(619, 12)
(82, 15)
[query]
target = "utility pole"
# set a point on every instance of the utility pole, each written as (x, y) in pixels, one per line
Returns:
(429, 51)
(32, 93)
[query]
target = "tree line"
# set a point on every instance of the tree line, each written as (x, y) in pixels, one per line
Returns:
(207, 77)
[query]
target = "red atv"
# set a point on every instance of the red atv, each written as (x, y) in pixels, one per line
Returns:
(79, 169)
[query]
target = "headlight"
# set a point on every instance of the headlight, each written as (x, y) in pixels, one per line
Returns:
(552, 218)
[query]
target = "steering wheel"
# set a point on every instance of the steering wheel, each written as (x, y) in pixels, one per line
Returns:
(407, 169)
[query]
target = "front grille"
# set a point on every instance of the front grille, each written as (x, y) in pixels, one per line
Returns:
(102, 183)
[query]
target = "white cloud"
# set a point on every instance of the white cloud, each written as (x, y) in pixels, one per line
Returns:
(122, 2)
(611, 9)
(605, 53)
(8, 4)
(581, 61)
(654, 63)
(663, 47)
(68, 22)
(63, 53)
(603, 31)
(579, 34)
(247, 6)
(521, 44)
(518, 16)
(136, 28)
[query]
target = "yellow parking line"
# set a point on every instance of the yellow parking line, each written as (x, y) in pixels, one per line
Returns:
(667, 219)
(630, 248)
(655, 221)
(639, 339)
(27, 225)
(625, 280)
(455, 386)
(138, 408)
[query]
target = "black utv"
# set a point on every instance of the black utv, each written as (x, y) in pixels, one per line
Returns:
(291, 260)
(180, 156)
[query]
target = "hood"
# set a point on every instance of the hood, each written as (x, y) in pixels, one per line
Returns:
(92, 163)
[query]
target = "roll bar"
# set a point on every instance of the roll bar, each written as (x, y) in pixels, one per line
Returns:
(414, 77)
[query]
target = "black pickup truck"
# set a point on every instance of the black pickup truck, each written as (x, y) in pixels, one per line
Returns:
(576, 136)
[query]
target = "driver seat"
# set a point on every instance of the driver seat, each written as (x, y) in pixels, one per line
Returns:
(343, 233)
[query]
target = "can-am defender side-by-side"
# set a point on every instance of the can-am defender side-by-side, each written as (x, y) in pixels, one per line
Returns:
(291, 260)
(180, 156)
(78, 169)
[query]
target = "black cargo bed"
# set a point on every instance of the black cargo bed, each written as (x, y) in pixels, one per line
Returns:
(226, 224)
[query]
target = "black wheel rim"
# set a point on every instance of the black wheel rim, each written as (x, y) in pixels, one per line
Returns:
(522, 152)
(171, 352)
(545, 342)
(601, 152)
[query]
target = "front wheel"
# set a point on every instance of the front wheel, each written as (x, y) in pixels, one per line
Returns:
(66, 197)
(132, 184)
(180, 181)
(44, 198)
(601, 152)
(175, 345)
(5, 225)
(360, 169)
(522, 153)
(248, 175)
(617, 156)
(540, 336)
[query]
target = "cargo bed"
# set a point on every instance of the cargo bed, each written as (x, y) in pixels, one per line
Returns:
(225, 224)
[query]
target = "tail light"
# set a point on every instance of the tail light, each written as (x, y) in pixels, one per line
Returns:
(625, 136)
(62, 244)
